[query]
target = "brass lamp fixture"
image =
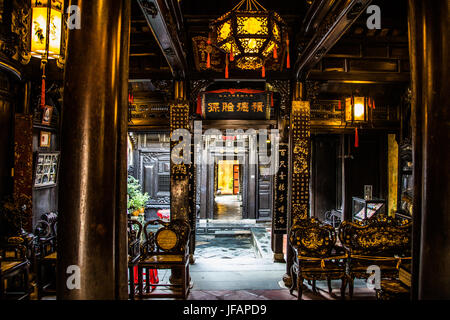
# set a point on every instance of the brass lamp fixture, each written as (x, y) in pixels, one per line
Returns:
(358, 110)
(46, 34)
(250, 35)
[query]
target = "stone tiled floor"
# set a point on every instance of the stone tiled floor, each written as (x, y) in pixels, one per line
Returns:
(228, 208)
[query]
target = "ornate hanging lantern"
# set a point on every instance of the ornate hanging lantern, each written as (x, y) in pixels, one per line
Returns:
(46, 28)
(250, 35)
(46, 34)
(357, 112)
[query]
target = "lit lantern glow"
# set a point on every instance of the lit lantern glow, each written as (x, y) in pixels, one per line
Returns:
(250, 34)
(356, 109)
(46, 28)
(357, 112)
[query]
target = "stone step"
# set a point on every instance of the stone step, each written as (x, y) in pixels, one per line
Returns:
(232, 233)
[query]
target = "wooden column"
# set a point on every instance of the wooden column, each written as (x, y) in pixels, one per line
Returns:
(92, 179)
(429, 46)
(299, 166)
(279, 223)
(179, 178)
(23, 165)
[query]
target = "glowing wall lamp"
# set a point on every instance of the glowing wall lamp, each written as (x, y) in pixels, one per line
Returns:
(46, 33)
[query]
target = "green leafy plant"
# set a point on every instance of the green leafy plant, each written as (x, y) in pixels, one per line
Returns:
(136, 199)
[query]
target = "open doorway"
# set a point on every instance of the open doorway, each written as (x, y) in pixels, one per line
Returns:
(228, 196)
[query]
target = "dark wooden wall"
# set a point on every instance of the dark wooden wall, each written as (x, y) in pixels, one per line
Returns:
(366, 165)
(6, 144)
(324, 174)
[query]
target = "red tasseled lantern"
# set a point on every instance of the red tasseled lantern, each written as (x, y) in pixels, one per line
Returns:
(226, 67)
(356, 138)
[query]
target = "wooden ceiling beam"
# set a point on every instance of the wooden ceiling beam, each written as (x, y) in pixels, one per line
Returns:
(165, 21)
(334, 22)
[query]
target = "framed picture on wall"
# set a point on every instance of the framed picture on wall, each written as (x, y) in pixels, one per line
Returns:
(45, 139)
(46, 169)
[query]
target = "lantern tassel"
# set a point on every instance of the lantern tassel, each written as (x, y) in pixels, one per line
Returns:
(208, 58)
(231, 54)
(356, 138)
(199, 104)
(263, 71)
(373, 104)
(288, 58)
(43, 92)
(275, 53)
(226, 67)
(340, 105)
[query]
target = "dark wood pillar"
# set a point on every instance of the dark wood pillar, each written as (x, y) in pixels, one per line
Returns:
(180, 206)
(92, 184)
(23, 166)
(429, 42)
(299, 163)
(279, 223)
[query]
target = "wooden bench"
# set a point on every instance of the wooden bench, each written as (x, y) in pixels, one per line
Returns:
(316, 255)
(166, 246)
(14, 266)
(46, 254)
(134, 253)
(380, 241)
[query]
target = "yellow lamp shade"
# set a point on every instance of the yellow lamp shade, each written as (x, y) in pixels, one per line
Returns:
(359, 109)
(46, 27)
(356, 109)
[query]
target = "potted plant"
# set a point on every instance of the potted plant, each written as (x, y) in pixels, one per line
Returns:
(136, 199)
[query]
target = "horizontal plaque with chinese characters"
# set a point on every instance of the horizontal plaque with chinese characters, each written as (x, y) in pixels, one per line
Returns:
(239, 104)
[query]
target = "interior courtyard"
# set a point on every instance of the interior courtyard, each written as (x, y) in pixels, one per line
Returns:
(224, 150)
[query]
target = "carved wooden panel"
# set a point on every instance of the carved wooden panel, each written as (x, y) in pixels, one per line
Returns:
(281, 191)
(179, 206)
(301, 153)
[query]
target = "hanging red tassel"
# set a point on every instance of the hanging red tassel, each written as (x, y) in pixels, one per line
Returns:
(356, 138)
(231, 54)
(43, 92)
(208, 58)
(263, 71)
(288, 58)
(271, 99)
(373, 104)
(275, 53)
(340, 105)
(199, 104)
(226, 67)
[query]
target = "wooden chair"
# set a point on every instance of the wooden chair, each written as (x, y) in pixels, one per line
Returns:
(381, 241)
(165, 248)
(134, 253)
(316, 255)
(15, 269)
(46, 254)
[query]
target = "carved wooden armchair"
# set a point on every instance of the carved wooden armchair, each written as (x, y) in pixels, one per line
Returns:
(46, 254)
(166, 247)
(316, 255)
(380, 241)
(134, 253)
(15, 269)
